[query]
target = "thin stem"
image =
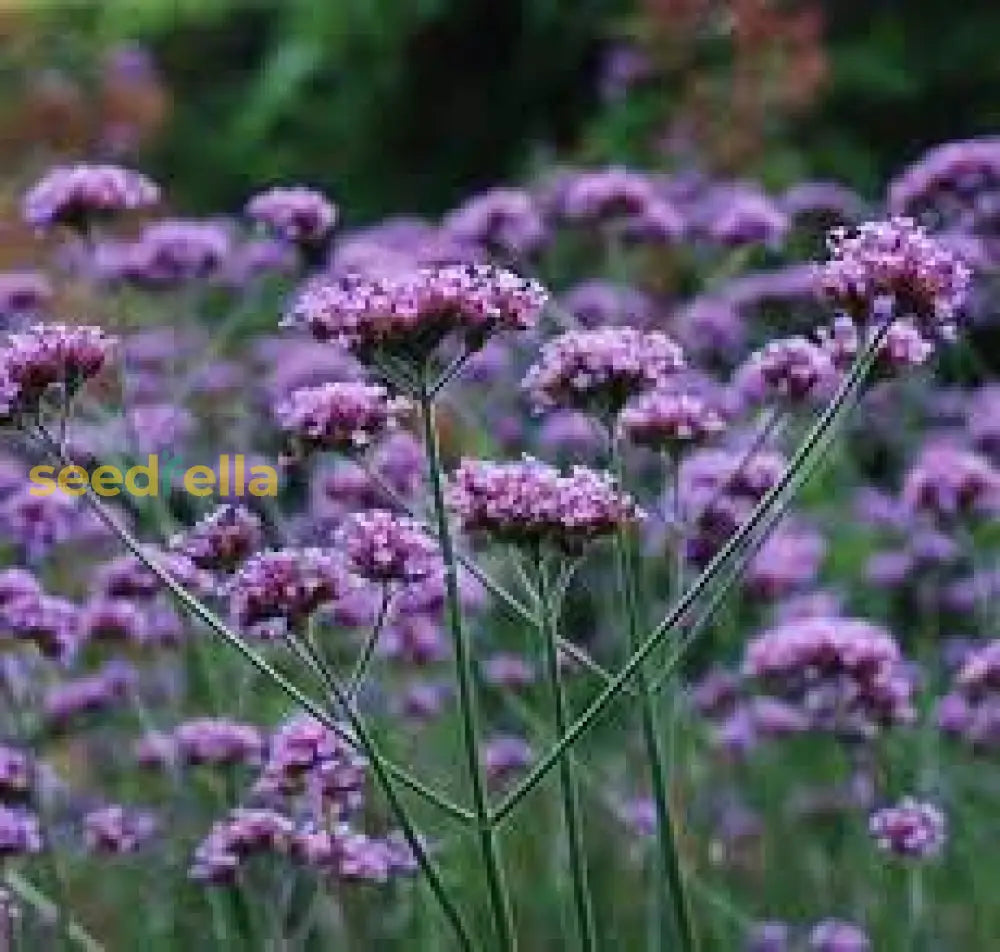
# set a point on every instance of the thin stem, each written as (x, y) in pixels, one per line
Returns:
(450, 373)
(215, 624)
(709, 574)
(547, 624)
(48, 910)
(666, 831)
(465, 681)
(357, 677)
(303, 646)
(578, 654)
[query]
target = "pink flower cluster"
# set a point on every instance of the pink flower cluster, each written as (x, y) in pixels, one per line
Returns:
(74, 195)
(895, 261)
(846, 674)
(297, 214)
(286, 585)
(793, 369)
(531, 503)
(345, 416)
(665, 419)
(222, 540)
(949, 481)
(384, 547)
(412, 312)
(601, 369)
(911, 828)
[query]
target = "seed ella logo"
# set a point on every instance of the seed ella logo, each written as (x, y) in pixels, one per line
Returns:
(231, 478)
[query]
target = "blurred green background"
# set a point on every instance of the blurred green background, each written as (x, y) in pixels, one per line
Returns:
(407, 105)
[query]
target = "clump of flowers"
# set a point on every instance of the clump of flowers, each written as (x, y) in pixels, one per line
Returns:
(845, 674)
(78, 195)
(971, 710)
(287, 586)
(670, 420)
(792, 369)
(531, 503)
(243, 833)
(47, 358)
(411, 313)
(601, 369)
(298, 215)
(898, 263)
(116, 829)
(835, 935)
(20, 832)
(949, 482)
(384, 547)
(305, 756)
(222, 540)
(174, 251)
(503, 220)
(345, 416)
(911, 828)
(217, 741)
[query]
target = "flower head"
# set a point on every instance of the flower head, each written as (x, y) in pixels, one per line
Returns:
(299, 215)
(286, 585)
(669, 419)
(601, 369)
(895, 261)
(501, 219)
(384, 547)
(221, 540)
(910, 828)
(792, 369)
(530, 503)
(412, 312)
(116, 829)
(347, 416)
(76, 195)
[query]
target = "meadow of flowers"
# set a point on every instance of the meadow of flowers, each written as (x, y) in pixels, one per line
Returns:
(629, 583)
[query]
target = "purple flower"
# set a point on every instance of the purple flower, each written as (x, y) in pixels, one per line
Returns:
(299, 215)
(129, 577)
(788, 561)
(834, 935)
(506, 670)
(20, 832)
(242, 833)
(116, 829)
(218, 741)
(606, 195)
(384, 547)
(222, 540)
(79, 194)
(911, 828)
(845, 674)
(286, 585)
(51, 623)
(948, 481)
(413, 312)
(113, 620)
(895, 261)
(664, 419)
(826, 202)
(771, 936)
(305, 756)
(17, 771)
(172, 252)
(952, 186)
(531, 503)
(347, 417)
(597, 303)
(792, 369)
(502, 220)
(51, 355)
(601, 369)
(109, 687)
(24, 293)
(505, 755)
(740, 215)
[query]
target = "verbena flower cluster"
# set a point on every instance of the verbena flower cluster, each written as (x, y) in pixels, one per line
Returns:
(531, 503)
(601, 369)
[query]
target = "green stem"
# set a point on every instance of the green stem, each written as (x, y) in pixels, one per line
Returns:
(465, 683)
(357, 676)
(701, 584)
(378, 764)
(547, 624)
(666, 831)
